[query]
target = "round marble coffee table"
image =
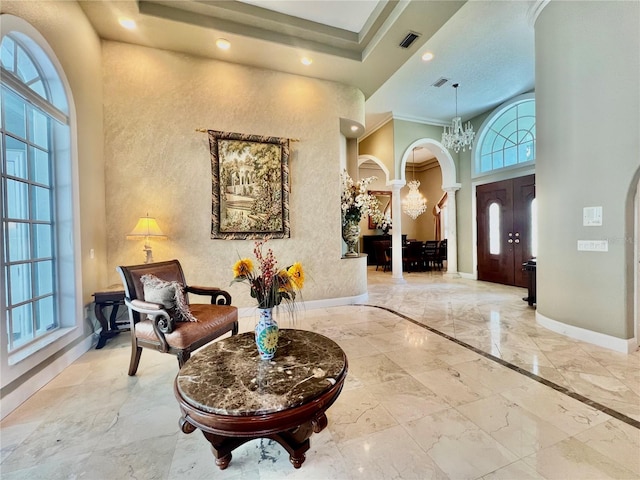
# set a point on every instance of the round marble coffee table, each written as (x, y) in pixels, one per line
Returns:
(232, 396)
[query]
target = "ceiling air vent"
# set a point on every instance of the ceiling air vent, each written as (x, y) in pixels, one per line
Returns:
(440, 82)
(409, 39)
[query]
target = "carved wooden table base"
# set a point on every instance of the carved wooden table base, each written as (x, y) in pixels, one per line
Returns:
(295, 441)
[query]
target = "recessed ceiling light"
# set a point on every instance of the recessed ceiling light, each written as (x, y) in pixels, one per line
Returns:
(306, 61)
(223, 44)
(354, 128)
(127, 23)
(427, 56)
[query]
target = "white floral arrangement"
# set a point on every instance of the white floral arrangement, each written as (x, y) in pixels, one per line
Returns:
(382, 220)
(356, 201)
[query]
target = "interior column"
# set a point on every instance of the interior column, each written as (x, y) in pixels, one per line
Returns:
(452, 230)
(396, 230)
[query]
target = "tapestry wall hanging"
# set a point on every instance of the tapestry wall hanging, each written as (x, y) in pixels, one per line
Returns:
(250, 186)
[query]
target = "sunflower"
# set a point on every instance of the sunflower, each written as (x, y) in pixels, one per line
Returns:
(243, 267)
(297, 275)
(268, 284)
(284, 281)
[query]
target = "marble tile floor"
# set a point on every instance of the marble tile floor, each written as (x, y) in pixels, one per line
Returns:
(425, 398)
(493, 319)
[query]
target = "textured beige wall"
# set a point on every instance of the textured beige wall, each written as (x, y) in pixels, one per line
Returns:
(157, 163)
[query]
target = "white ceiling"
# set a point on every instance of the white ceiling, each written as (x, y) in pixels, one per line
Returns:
(347, 14)
(487, 46)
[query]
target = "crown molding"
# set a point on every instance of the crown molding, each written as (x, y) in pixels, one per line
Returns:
(423, 120)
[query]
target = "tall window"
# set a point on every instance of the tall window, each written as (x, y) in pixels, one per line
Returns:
(28, 117)
(534, 228)
(507, 138)
(494, 229)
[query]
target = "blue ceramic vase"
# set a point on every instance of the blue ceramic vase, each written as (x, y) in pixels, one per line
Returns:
(266, 334)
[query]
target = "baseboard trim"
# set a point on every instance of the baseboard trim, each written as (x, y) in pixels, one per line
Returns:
(21, 394)
(468, 276)
(314, 304)
(600, 339)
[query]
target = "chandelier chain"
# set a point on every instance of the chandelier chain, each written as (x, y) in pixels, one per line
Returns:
(456, 137)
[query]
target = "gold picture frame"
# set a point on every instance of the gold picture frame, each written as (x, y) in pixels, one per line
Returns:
(384, 204)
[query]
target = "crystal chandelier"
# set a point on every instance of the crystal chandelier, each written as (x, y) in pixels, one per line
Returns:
(414, 203)
(454, 137)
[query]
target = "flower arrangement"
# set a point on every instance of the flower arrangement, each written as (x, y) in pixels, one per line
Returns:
(382, 221)
(269, 285)
(356, 201)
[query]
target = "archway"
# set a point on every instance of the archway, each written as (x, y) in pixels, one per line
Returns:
(396, 185)
(449, 185)
(365, 158)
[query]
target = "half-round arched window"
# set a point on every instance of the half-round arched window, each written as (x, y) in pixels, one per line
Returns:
(507, 138)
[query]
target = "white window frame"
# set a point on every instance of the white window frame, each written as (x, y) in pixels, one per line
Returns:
(486, 127)
(66, 214)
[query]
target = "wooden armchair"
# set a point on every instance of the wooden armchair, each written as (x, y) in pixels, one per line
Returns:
(154, 326)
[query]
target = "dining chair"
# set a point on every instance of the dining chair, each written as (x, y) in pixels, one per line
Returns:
(430, 253)
(383, 258)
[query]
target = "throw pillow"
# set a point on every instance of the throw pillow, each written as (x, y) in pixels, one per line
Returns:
(168, 294)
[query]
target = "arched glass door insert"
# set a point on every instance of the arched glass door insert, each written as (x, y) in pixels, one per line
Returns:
(534, 228)
(494, 228)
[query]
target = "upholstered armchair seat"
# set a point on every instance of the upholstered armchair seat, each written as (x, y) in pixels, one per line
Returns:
(154, 326)
(185, 334)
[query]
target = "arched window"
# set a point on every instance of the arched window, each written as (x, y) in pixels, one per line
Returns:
(507, 138)
(34, 126)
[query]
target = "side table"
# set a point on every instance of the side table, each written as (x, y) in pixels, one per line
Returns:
(112, 296)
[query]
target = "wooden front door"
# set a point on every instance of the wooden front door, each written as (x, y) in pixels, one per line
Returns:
(504, 229)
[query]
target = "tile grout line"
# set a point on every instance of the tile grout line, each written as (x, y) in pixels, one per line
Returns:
(559, 388)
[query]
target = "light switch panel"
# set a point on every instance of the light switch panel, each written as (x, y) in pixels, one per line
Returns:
(593, 246)
(592, 216)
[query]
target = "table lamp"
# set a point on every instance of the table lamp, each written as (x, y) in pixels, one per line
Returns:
(147, 227)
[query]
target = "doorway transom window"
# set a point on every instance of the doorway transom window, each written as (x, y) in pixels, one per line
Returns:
(507, 138)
